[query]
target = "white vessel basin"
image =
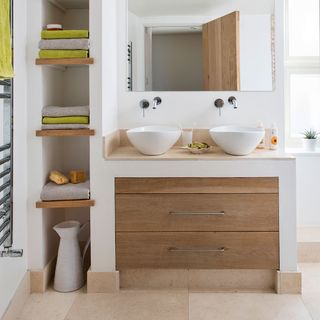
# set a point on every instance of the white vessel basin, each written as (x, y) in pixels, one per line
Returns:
(154, 140)
(237, 140)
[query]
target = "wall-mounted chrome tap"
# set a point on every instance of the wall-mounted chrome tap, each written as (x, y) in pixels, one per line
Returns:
(233, 101)
(156, 102)
(144, 104)
(219, 103)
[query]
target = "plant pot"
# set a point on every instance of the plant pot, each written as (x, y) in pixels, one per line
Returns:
(310, 144)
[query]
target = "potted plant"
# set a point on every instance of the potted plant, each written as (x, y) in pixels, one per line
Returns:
(310, 138)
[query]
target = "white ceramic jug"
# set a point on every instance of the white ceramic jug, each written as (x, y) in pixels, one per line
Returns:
(69, 268)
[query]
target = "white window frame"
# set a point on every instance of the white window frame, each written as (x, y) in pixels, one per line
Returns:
(295, 65)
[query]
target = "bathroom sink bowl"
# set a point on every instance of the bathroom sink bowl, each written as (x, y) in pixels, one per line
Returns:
(154, 140)
(237, 140)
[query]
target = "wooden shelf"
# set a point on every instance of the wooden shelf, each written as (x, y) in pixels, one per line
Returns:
(65, 204)
(65, 62)
(65, 133)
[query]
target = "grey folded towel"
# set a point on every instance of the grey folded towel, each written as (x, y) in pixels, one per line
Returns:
(54, 192)
(64, 44)
(64, 126)
(54, 111)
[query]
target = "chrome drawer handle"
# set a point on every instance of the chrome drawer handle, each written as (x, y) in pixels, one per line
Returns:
(219, 250)
(181, 213)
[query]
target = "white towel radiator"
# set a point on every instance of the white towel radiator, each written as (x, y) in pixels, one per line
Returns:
(6, 166)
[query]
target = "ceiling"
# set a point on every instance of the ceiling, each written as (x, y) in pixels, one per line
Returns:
(145, 8)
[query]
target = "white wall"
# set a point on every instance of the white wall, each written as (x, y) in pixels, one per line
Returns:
(255, 53)
(136, 36)
(177, 62)
(12, 270)
(104, 106)
(76, 19)
(308, 191)
(197, 108)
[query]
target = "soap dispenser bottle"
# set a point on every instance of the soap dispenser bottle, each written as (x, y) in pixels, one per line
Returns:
(262, 144)
(274, 137)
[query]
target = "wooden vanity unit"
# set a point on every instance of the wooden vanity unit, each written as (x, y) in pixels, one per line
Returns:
(197, 223)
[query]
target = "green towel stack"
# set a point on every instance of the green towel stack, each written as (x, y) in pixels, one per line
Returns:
(68, 35)
(66, 120)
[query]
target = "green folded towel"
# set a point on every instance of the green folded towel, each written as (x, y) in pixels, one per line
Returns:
(61, 54)
(66, 120)
(64, 34)
(6, 70)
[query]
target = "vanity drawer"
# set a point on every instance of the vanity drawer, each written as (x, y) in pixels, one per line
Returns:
(196, 185)
(194, 250)
(197, 212)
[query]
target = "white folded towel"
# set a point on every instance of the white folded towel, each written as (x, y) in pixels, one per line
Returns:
(64, 44)
(53, 111)
(54, 192)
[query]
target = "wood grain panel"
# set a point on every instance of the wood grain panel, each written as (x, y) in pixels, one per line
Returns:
(65, 133)
(197, 212)
(197, 185)
(221, 53)
(65, 204)
(194, 250)
(206, 61)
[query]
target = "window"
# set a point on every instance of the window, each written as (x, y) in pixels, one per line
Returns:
(302, 68)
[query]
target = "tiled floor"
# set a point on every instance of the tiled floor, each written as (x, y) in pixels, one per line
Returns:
(179, 304)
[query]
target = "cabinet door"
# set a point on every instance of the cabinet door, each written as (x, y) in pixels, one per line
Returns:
(221, 53)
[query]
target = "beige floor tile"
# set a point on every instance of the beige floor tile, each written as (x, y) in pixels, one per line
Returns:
(311, 288)
(51, 305)
(235, 306)
(131, 305)
(312, 303)
(310, 277)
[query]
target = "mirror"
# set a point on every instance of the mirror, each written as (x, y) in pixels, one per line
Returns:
(200, 45)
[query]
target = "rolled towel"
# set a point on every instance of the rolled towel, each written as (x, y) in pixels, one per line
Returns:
(63, 54)
(64, 34)
(53, 111)
(64, 44)
(66, 120)
(64, 126)
(54, 192)
(54, 26)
